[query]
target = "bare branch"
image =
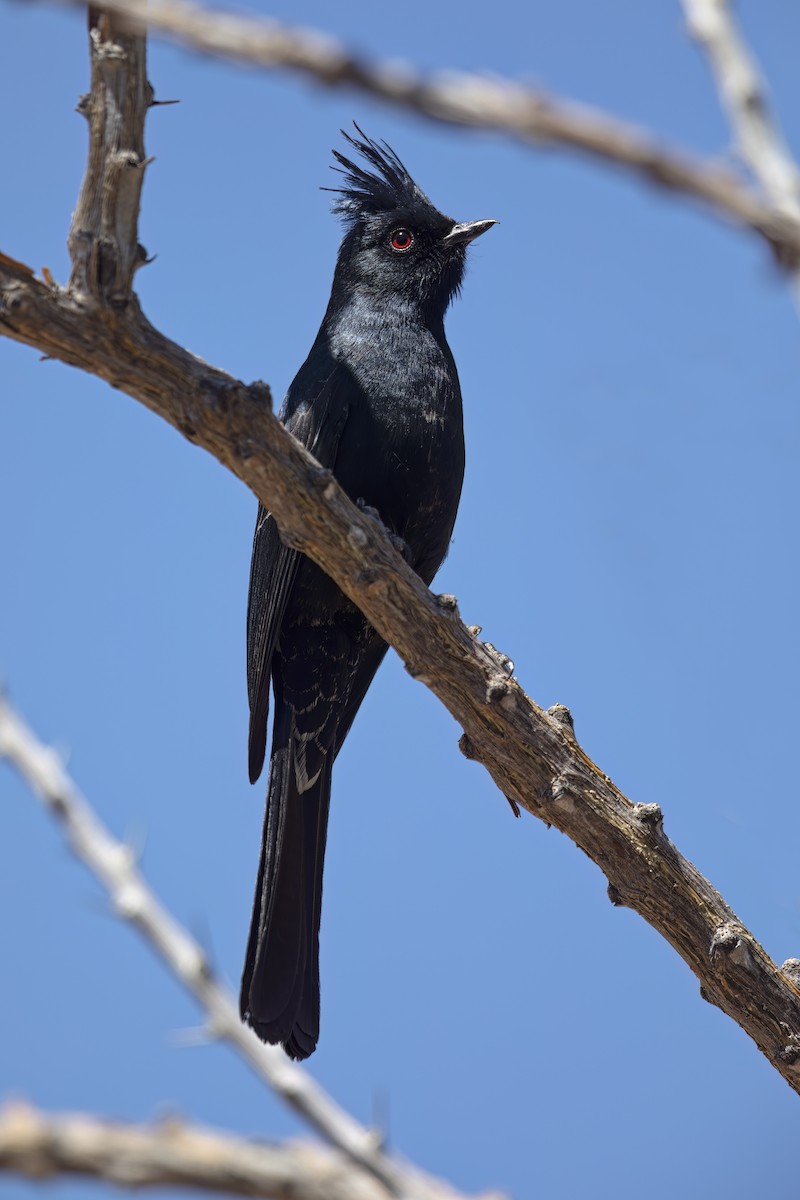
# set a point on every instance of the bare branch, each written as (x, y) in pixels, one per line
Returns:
(115, 867)
(475, 101)
(743, 93)
(103, 241)
(174, 1154)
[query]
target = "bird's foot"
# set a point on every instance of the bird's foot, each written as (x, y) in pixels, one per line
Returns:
(367, 509)
(400, 545)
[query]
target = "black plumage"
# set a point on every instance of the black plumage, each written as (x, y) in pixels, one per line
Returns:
(378, 402)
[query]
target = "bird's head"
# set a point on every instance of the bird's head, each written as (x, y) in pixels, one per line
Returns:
(398, 246)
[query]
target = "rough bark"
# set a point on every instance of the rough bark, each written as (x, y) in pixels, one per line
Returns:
(103, 242)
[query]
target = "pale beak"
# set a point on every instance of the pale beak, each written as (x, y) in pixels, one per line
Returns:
(462, 234)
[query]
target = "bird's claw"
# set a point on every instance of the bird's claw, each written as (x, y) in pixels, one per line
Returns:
(400, 544)
(367, 509)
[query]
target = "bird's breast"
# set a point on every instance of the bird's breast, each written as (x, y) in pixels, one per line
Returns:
(403, 446)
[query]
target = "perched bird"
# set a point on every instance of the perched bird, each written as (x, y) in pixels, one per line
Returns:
(378, 402)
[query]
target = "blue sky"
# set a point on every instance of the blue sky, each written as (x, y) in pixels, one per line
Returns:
(627, 533)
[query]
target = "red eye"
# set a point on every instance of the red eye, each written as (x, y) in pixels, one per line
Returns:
(402, 239)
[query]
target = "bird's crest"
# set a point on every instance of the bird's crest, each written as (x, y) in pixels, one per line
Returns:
(386, 188)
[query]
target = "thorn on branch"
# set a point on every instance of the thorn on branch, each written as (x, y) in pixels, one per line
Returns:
(561, 793)
(561, 716)
(728, 943)
(514, 806)
(377, 1140)
(498, 691)
(789, 1054)
(649, 815)
(792, 968)
(260, 393)
(466, 747)
(502, 660)
(420, 674)
(11, 299)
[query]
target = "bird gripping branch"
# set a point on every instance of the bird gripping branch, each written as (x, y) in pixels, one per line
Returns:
(377, 402)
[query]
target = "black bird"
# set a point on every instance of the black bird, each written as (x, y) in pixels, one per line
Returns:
(378, 402)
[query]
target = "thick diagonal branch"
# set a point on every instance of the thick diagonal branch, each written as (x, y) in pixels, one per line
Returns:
(531, 755)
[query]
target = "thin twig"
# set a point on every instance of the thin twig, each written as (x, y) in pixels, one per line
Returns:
(114, 865)
(471, 101)
(174, 1154)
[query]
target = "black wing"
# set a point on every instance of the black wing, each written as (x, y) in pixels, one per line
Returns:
(315, 411)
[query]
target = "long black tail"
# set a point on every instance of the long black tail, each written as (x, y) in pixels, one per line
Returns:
(280, 983)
